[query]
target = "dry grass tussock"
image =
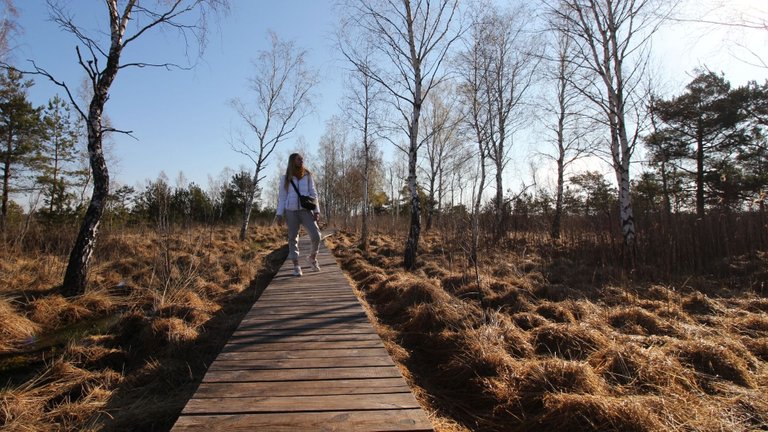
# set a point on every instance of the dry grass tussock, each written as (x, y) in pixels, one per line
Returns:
(126, 354)
(533, 343)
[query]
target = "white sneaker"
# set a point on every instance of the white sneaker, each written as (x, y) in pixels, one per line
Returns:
(297, 270)
(313, 263)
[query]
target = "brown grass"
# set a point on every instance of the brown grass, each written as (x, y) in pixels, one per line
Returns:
(15, 328)
(638, 321)
(515, 350)
(126, 354)
(532, 343)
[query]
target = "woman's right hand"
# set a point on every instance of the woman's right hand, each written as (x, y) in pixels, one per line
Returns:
(279, 220)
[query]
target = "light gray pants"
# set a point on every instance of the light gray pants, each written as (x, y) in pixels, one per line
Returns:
(294, 218)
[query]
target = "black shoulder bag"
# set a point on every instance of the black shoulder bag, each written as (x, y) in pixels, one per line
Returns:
(306, 201)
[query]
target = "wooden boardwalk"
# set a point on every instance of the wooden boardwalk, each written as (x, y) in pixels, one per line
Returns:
(304, 358)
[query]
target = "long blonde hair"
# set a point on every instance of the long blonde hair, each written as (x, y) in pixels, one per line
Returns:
(294, 171)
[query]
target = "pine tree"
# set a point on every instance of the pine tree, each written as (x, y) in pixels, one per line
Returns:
(20, 135)
(58, 153)
(705, 125)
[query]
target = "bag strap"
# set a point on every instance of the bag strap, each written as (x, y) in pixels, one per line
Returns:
(295, 188)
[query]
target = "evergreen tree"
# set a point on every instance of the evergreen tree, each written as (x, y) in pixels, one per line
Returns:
(58, 153)
(706, 126)
(20, 135)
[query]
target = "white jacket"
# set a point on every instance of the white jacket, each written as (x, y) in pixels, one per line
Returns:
(289, 200)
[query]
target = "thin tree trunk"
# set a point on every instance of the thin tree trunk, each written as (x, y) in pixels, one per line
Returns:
(699, 174)
(249, 202)
(412, 243)
(500, 228)
(366, 174)
(246, 217)
(666, 192)
(6, 181)
(431, 203)
(476, 212)
(558, 217)
(366, 168)
(75, 277)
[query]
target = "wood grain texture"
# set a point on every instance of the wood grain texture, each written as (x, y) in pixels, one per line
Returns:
(304, 358)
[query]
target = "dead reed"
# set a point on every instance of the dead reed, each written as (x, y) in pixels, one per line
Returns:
(125, 355)
(546, 343)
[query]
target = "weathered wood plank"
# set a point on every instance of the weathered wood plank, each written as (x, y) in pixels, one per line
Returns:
(350, 421)
(301, 374)
(303, 388)
(330, 330)
(298, 326)
(305, 357)
(299, 338)
(290, 404)
(315, 310)
(265, 320)
(277, 345)
(319, 298)
(301, 363)
(302, 325)
(296, 354)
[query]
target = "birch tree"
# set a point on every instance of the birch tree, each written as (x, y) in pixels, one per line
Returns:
(333, 158)
(282, 84)
(610, 40)
(471, 64)
(441, 126)
(101, 56)
(567, 135)
(410, 40)
(9, 27)
(510, 70)
(363, 110)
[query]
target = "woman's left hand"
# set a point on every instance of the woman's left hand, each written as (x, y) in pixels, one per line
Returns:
(317, 217)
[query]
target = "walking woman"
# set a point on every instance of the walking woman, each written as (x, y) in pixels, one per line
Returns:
(298, 180)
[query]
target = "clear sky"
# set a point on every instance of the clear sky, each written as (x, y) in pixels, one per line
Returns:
(182, 120)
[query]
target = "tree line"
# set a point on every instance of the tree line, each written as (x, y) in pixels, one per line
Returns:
(459, 91)
(449, 87)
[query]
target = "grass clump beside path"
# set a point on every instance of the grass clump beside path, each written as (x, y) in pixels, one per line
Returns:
(127, 354)
(504, 349)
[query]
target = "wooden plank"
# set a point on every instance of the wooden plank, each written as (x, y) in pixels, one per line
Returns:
(277, 345)
(303, 324)
(305, 357)
(301, 374)
(286, 325)
(290, 404)
(299, 338)
(335, 330)
(313, 353)
(265, 321)
(307, 304)
(317, 310)
(301, 363)
(334, 287)
(302, 388)
(298, 313)
(318, 296)
(412, 420)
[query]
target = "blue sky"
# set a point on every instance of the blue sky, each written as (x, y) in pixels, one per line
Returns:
(182, 119)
